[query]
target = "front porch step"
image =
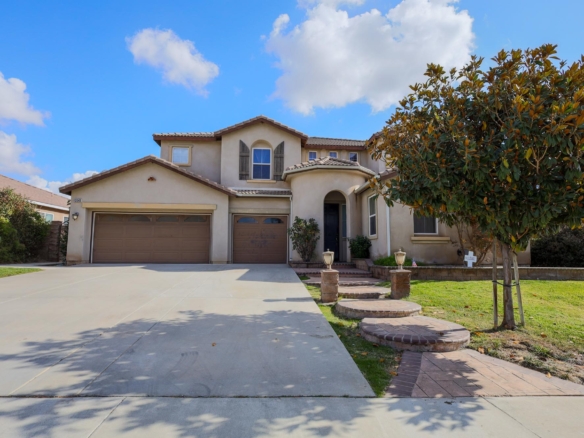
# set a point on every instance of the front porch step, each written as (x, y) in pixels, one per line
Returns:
(345, 281)
(343, 272)
(362, 292)
(359, 309)
(319, 265)
(415, 333)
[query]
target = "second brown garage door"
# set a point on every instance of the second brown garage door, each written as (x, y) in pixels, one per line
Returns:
(259, 239)
(150, 238)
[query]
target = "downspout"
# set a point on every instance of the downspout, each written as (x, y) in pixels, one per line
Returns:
(388, 229)
(290, 225)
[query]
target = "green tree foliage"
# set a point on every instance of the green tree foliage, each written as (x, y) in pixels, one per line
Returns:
(304, 235)
(10, 248)
(359, 247)
(502, 147)
(30, 227)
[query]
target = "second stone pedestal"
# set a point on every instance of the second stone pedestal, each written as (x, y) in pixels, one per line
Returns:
(329, 285)
(400, 284)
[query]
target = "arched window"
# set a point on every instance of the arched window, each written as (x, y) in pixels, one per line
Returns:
(273, 220)
(261, 163)
(247, 220)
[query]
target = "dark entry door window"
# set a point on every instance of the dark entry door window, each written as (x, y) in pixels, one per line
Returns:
(331, 228)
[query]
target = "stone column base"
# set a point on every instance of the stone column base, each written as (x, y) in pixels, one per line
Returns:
(400, 284)
(329, 285)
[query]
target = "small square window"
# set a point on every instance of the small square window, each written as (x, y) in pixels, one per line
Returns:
(334, 154)
(425, 225)
(180, 155)
(353, 156)
(49, 217)
(311, 155)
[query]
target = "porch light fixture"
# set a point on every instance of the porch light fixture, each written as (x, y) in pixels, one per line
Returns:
(400, 258)
(75, 216)
(328, 257)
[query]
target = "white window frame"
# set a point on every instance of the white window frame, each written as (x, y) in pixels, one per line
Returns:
(334, 152)
(369, 215)
(315, 155)
(356, 155)
(48, 214)
(65, 219)
(189, 155)
(426, 234)
(269, 178)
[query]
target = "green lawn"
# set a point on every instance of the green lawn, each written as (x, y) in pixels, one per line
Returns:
(552, 339)
(8, 272)
(377, 363)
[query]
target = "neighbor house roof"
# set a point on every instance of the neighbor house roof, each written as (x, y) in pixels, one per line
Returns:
(335, 143)
(149, 159)
(326, 163)
(216, 135)
(34, 194)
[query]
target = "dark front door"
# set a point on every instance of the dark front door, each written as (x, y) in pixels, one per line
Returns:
(331, 228)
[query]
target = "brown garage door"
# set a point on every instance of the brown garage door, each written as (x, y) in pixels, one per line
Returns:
(148, 238)
(259, 239)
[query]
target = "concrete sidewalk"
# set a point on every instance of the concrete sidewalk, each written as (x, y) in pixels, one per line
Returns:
(554, 417)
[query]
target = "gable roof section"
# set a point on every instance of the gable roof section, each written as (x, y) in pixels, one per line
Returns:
(216, 135)
(326, 163)
(34, 194)
(382, 176)
(149, 159)
(335, 143)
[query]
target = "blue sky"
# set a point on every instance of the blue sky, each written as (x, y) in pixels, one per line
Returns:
(99, 102)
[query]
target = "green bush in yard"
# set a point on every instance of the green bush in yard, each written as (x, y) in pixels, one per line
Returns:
(304, 235)
(564, 249)
(390, 261)
(360, 247)
(30, 227)
(10, 248)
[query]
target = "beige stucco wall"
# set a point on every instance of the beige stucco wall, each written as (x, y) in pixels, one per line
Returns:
(205, 157)
(262, 134)
(132, 186)
(379, 241)
(309, 190)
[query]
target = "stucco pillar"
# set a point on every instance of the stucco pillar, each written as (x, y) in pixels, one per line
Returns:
(329, 285)
(400, 284)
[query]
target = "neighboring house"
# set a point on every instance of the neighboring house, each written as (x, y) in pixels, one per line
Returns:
(52, 207)
(229, 196)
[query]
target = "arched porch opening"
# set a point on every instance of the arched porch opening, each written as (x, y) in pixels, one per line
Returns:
(335, 225)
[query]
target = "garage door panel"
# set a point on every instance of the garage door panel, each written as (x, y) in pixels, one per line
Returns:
(135, 238)
(260, 239)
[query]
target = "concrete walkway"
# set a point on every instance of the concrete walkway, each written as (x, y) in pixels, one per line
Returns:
(169, 330)
(519, 417)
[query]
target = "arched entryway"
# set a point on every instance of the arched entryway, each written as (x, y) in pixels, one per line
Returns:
(335, 225)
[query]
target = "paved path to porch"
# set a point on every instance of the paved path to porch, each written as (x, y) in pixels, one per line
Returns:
(467, 373)
(169, 330)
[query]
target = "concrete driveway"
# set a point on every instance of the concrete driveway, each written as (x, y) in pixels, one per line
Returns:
(169, 330)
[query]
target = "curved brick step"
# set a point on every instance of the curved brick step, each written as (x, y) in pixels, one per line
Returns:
(345, 282)
(362, 292)
(415, 333)
(359, 309)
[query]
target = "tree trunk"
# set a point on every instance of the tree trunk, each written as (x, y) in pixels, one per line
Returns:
(508, 315)
(495, 287)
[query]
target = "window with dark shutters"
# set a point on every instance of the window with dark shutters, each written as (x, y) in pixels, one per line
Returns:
(243, 161)
(279, 162)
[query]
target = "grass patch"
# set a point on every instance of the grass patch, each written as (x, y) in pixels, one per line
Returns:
(552, 339)
(9, 272)
(377, 363)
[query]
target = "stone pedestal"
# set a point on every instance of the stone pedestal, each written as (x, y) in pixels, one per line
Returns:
(329, 286)
(400, 284)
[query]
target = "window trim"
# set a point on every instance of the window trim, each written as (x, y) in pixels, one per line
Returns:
(369, 215)
(356, 154)
(315, 155)
(190, 154)
(333, 152)
(262, 164)
(426, 234)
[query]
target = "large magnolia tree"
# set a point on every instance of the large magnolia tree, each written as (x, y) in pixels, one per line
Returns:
(503, 148)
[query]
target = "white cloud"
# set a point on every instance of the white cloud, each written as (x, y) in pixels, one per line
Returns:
(332, 59)
(12, 156)
(181, 63)
(53, 186)
(14, 103)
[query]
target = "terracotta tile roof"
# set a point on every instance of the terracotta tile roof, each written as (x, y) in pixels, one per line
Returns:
(149, 159)
(216, 135)
(324, 163)
(263, 192)
(335, 143)
(34, 193)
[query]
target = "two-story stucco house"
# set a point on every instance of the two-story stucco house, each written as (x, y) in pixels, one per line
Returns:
(229, 196)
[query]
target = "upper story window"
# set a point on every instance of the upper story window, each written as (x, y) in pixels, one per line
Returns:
(372, 215)
(180, 155)
(334, 154)
(261, 163)
(425, 225)
(311, 155)
(353, 156)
